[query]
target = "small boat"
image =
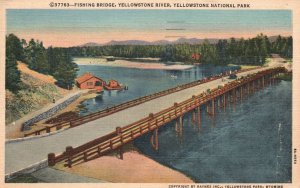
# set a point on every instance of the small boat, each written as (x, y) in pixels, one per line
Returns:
(110, 59)
(173, 76)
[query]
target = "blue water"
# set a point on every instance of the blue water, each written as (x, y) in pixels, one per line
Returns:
(249, 142)
(141, 82)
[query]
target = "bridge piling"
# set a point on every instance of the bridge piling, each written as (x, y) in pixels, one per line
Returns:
(194, 117)
(241, 93)
(154, 139)
(176, 126)
(213, 107)
(199, 117)
(224, 100)
(180, 125)
(120, 150)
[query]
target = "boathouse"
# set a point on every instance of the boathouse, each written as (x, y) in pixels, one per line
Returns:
(89, 81)
(113, 85)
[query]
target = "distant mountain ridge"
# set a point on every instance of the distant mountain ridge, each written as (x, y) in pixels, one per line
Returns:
(160, 42)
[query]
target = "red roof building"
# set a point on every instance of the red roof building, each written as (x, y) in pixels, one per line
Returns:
(89, 81)
(196, 56)
(113, 85)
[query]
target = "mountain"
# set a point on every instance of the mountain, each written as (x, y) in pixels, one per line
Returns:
(127, 42)
(158, 42)
(90, 44)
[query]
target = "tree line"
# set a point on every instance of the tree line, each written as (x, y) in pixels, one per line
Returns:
(52, 61)
(58, 61)
(237, 51)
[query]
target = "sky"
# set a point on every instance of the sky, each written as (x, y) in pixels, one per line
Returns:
(64, 28)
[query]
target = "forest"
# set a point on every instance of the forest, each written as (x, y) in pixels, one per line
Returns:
(51, 61)
(231, 51)
(58, 62)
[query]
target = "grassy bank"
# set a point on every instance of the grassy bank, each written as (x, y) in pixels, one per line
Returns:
(244, 66)
(33, 95)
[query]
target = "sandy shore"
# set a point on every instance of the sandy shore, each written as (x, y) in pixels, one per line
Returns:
(134, 168)
(129, 64)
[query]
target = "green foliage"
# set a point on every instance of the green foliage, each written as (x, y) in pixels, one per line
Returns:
(32, 95)
(14, 46)
(65, 71)
(53, 61)
(12, 74)
(14, 52)
(251, 51)
(36, 57)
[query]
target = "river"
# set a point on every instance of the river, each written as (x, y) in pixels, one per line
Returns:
(249, 142)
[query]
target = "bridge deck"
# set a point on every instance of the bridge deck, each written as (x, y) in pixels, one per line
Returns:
(19, 155)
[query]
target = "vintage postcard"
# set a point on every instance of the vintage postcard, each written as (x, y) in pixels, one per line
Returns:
(177, 94)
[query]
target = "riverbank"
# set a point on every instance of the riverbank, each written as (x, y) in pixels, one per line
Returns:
(130, 64)
(244, 66)
(35, 97)
(74, 108)
(134, 168)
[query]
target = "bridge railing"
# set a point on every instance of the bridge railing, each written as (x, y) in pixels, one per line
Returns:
(108, 111)
(115, 139)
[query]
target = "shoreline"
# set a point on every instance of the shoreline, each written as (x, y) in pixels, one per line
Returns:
(130, 64)
(135, 167)
(14, 131)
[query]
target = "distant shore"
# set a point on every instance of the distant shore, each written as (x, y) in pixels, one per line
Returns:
(130, 64)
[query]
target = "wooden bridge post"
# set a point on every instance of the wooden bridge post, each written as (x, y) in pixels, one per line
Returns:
(207, 107)
(48, 129)
(176, 120)
(180, 125)
(234, 96)
(194, 117)
(248, 88)
(224, 100)
(241, 93)
(51, 159)
(213, 106)
(176, 126)
(154, 139)
(263, 82)
(68, 151)
(194, 111)
(199, 117)
(119, 133)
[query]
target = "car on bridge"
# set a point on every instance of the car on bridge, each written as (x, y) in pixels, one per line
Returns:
(232, 76)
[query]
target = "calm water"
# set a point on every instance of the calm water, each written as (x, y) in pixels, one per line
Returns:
(248, 142)
(141, 82)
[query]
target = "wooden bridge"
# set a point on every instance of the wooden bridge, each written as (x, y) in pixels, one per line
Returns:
(111, 110)
(217, 97)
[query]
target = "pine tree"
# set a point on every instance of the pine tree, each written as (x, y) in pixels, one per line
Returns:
(14, 53)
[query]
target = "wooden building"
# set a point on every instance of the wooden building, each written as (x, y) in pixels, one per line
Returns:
(89, 81)
(113, 85)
